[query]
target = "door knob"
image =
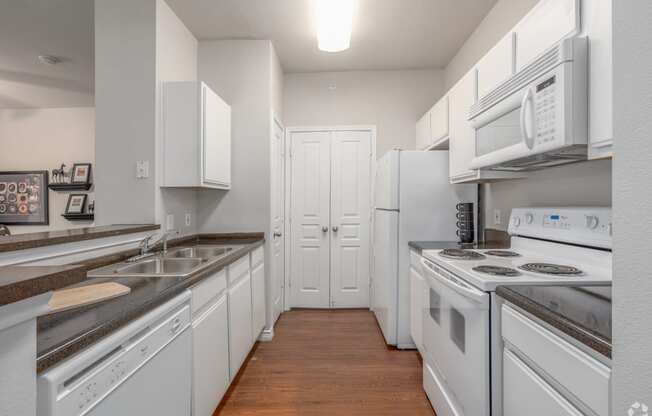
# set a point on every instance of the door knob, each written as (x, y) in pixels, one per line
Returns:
(277, 234)
(335, 228)
(324, 229)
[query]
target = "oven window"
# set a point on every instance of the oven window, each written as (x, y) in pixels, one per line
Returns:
(458, 329)
(435, 306)
(498, 134)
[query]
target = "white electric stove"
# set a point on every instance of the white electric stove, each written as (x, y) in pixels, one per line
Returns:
(549, 246)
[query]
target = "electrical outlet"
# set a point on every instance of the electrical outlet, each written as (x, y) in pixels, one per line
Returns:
(169, 222)
(188, 219)
(497, 217)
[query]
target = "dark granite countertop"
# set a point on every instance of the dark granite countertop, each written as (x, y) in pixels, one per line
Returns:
(583, 313)
(48, 238)
(22, 282)
(62, 334)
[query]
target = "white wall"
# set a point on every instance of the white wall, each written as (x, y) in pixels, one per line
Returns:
(277, 84)
(139, 45)
(239, 71)
(125, 92)
(632, 331)
(176, 60)
(586, 183)
(42, 139)
(391, 100)
(502, 17)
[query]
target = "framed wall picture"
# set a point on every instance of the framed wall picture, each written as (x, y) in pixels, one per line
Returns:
(81, 173)
(24, 198)
(76, 203)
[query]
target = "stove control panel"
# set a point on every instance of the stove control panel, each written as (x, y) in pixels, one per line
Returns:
(588, 226)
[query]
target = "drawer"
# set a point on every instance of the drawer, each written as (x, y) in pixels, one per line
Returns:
(525, 393)
(206, 290)
(434, 388)
(579, 373)
(238, 268)
(257, 256)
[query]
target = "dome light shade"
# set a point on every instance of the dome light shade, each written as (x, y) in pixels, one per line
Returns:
(334, 20)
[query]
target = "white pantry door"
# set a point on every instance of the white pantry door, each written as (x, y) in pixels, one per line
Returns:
(278, 240)
(350, 218)
(310, 207)
(330, 218)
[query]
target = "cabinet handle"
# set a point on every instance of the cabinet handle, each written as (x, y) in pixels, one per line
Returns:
(335, 228)
(324, 229)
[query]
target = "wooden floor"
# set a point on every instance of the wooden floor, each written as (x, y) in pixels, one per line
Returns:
(327, 363)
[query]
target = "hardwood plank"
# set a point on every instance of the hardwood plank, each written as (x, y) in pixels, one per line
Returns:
(327, 362)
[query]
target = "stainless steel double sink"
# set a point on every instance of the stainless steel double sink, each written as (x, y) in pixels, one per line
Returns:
(177, 262)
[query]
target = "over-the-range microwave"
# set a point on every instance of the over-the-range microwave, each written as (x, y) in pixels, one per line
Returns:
(539, 116)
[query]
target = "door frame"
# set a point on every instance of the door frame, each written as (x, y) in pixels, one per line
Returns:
(371, 128)
(268, 331)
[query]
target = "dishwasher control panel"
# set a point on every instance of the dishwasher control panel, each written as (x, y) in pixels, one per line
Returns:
(74, 391)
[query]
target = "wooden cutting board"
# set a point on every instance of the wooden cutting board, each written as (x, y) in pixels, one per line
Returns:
(65, 299)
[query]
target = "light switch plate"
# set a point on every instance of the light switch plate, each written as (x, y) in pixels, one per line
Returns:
(142, 169)
(497, 216)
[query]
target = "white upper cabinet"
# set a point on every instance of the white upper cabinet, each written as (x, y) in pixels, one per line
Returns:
(432, 128)
(439, 120)
(196, 137)
(597, 26)
(496, 66)
(546, 24)
(462, 134)
(423, 132)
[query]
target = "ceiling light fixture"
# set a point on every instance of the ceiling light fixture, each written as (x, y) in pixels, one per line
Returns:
(334, 21)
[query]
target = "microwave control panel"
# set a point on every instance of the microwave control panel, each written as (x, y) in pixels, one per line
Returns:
(544, 109)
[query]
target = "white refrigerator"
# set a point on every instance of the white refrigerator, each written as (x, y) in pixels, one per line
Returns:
(414, 202)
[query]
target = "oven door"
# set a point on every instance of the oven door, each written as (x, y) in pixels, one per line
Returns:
(456, 340)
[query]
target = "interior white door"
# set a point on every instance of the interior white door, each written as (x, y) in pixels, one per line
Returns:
(350, 218)
(310, 222)
(278, 222)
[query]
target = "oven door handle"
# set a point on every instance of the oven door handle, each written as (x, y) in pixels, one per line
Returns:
(467, 291)
(528, 137)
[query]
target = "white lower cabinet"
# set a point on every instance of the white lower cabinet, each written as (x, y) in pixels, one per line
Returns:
(240, 319)
(417, 293)
(544, 374)
(258, 298)
(210, 358)
(525, 393)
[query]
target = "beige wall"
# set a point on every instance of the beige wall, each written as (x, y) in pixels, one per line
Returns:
(587, 183)
(42, 139)
(391, 100)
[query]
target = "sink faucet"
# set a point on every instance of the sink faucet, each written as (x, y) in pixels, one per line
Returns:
(146, 245)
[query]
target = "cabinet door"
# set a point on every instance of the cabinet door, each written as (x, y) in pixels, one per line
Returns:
(496, 66)
(597, 19)
(462, 134)
(258, 299)
(240, 339)
(549, 22)
(417, 293)
(216, 140)
(210, 358)
(423, 132)
(525, 393)
(439, 120)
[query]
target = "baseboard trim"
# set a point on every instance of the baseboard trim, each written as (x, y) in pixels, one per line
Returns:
(267, 335)
(407, 346)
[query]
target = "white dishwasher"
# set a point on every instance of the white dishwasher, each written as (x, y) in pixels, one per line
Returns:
(142, 369)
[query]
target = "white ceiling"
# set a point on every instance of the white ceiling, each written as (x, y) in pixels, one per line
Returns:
(29, 28)
(387, 34)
